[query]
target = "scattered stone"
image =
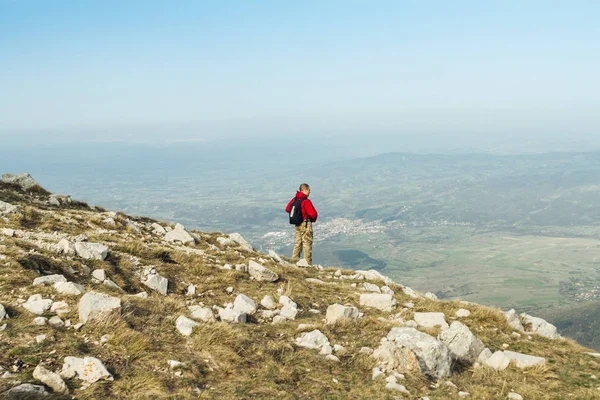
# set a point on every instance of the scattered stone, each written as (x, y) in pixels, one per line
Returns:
(191, 290)
(383, 302)
(203, 314)
(514, 396)
(40, 321)
(179, 234)
(333, 358)
(513, 320)
(524, 360)
(430, 319)
(37, 305)
(275, 256)
(51, 279)
(239, 239)
(142, 295)
(7, 208)
(484, 355)
(7, 232)
(463, 394)
(69, 288)
(387, 290)
(313, 340)
(66, 247)
(93, 305)
(91, 251)
(365, 350)
(157, 282)
(541, 327)
(185, 326)
(370, 287)
(462, 313)
(2, 312)
(24, 181)
(396, 387)
(431, 296)
(260, 273)
(229, 289)
(289, 310)
(338, 312)
(303, 263)
(244, 304)
(50, 379)
(40, 338)
(25, 391)
(99, 275)
(498, 361)
(463, 345)
(88, 369)
(411, 293)
(232, 316)
(112, 285)
(158, 229)
(56, 322)
(268, 303)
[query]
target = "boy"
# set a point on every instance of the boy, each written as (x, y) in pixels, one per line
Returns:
(304, 231)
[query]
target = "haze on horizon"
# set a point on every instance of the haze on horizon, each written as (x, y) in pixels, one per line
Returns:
(174, 71)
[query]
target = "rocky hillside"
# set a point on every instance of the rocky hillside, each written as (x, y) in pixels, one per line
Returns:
(98, 304)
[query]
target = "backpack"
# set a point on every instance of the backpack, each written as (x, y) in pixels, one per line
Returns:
(296, 212)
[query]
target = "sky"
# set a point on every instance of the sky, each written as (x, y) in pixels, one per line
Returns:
(198, 69)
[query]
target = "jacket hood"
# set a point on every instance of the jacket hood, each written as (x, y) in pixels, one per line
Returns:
(300, 195)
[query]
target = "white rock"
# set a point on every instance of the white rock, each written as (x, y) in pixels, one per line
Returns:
(232, 316)
(524, 360)
(142, 295)
(514, 396)
(40, 321)
(158, 229)
(338, 312)
(203, 314)
(69, 288)
(431, 296)
(111, 284)
(158, 283)
(7, 208)
(383, 302)
(462, 313)
(365, 350)
(312, 340)
(463, 345)
(88, 369)
(51, 279)
(275, 256)
(513, 320)
(376, 373)
(289, 312)
(7, 232)
(430, 319)
(185, 326)
(463, 394)
(24, 181)
(191, 290)
(338, 348)
(370, 287)
(2, 312)
(498, 361)
(484, 355)
(411, 293)
(24, 391)
(387, 290)
(179, 234)
(541, 327)
(50, 379)
(326, 349)
(40, 338)
(223, 241)
(173, 364)
(66, 247)
(91, 251)
(56, 322)
(99, 274)
(93, 305)
(244, 304)
(331, 357)
(236, 237)
(303, 263)
(268, 303)
(396, 387)
(37, 305)
(261, 273)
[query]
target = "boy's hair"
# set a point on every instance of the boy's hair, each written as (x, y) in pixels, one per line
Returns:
(304, 186)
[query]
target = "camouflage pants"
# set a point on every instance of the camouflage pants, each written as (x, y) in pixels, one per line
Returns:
(304, 240)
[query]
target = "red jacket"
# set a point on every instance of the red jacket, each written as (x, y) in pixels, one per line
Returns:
(307, 208)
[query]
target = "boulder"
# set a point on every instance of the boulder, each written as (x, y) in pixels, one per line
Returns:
(430, 319)
(268, 303)
(60, 308)
(338, 312)
(514, 396)
(88, 369)
(66, 247)
(99, 275)
(203, 314)
(25, 391)
(91, 251)
(236, 237)
(56, 322)
(7, 208)
(179, 234)
(185, 326)
(261, 273)
(393, 357)
(540, 327)
(498, 361)
(463, 345)
(484, 355)
(51, 279)
(50, 379)
(434, 356)
(513, 320)
(40, 321)
(289, 309)
(462, 313)
(411, 293)
(370, 287)
(232, 316)
(383, 302)
(303, 263)
(37, 305)
(223, 241)
(158, 229)
(431, 296)
(24, 181)
(69, 288)
(93, 305)
(275, 256)
(524, 360)
(244, 304)
(157, 282)
(313, 340)
(2, 312)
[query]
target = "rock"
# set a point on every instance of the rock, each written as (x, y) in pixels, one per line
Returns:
(109, 221)
(229, 289)
(99, 275)
(275, 256)
(514, 396)
(513, 320)
(191, 290)
(236, 237)
(232, 316)
(223, 241)
(179, 234)
(88, 369)
(244, 304)
(289, 310)
(463, 394)
(431, 296)
(430, 319)
(279, 319)
(383, 302)
(69, 288)
(7, 208)
(59, 199)
(40, 321)
(91, 251)
(268, 303)
(303, 263)
(337, 348)
(484, 355)
(463, 345)
(260, 273)
(158, 229)
(540, 327)
(25, 391)
(411, 293)
(393, 357)
(142, 295)
(24, 181)
(2, 312)
(157, 282)
(60, 308)
(396, 388)
(433, 356)
(326, 349)
(338, 312)
(462, 313)
(7, 232)
(50, 379)
(112, 285)
(93, 305)
(312, 340)
(203, 314)
(370, 287)
(185, 326)
(51, 279)
(524, 360)
(40, 338)
(333, 358)
(56, 322)
(498, 361)
(37, 305)
(365, 350)
(66, 247)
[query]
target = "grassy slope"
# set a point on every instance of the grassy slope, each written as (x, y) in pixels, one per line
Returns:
(581, 322)
(247, 361)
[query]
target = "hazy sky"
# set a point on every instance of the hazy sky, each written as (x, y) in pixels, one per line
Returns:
(249, 67)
